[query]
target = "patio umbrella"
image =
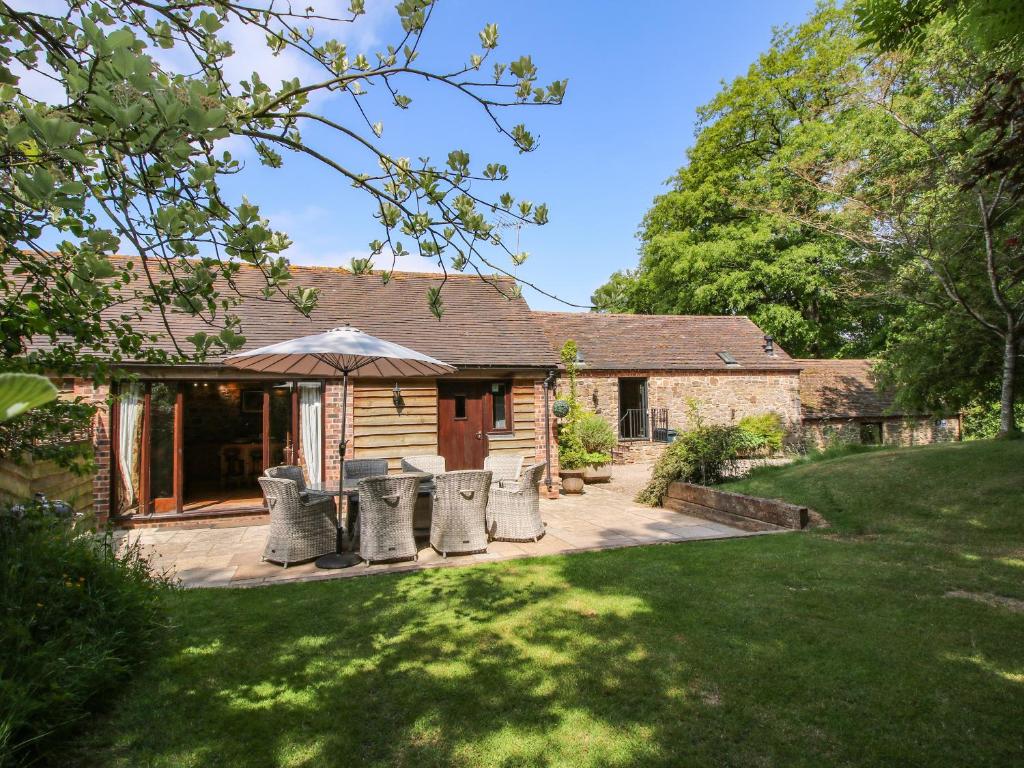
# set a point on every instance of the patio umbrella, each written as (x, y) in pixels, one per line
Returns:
(341, 351)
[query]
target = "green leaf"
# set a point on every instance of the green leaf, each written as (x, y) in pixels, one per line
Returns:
(20, 392)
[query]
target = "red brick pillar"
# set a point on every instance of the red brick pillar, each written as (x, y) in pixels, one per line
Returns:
(332, 429)
(100, 435)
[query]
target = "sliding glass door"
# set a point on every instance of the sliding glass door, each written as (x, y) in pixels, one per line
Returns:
(200, 446)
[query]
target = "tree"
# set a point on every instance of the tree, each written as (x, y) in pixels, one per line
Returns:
(132, 156)
(705, 251)
(906, 165)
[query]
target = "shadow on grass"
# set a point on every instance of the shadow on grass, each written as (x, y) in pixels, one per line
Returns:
(778, 650)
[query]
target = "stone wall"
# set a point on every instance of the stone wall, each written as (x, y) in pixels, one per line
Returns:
(896, 431)
(722, 397)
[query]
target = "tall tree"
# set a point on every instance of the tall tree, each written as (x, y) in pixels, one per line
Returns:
(910, 165)
(705, 251)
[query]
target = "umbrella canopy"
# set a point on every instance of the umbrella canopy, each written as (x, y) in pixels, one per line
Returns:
(340, 350)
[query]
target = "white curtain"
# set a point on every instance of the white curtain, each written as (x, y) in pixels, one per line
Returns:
(128, 438)
(310, 429)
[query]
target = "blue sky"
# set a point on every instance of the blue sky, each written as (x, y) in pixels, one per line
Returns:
(637, 72)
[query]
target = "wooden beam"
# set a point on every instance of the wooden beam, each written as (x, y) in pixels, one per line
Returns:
(179, 449)
(113, 431)
(266, 427)
(145, 449)
(294, 459)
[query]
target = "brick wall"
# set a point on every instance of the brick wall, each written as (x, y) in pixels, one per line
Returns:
(96, 394)
(722, 397)
(332, 427)
(896, 431)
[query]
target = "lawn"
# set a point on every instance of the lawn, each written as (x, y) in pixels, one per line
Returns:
(833, 647)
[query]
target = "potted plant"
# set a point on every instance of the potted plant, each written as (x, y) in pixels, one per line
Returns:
(597, 439)
(578, 435)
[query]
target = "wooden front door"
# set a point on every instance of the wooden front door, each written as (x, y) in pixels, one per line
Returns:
(460, 424)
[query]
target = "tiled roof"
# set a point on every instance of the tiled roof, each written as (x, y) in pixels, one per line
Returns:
(664, 342)
(479, 327)
(843, 389)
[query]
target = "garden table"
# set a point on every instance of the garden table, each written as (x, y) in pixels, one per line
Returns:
(351, 491)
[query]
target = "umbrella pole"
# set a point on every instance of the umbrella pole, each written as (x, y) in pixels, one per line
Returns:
(339, 558)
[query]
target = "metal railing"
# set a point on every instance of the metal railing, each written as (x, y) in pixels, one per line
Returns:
(633, 424)
(659, 425)
(644, 424)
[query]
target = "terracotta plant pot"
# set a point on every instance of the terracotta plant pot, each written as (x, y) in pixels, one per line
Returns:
(572, 480)
(600, 474)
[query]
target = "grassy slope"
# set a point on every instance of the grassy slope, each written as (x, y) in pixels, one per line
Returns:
(835, 647)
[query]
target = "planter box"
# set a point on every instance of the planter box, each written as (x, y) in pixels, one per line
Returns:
(597, 474)
(736, 509)
(572, 480)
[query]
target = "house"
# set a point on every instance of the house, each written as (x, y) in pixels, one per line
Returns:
(842, 402)
(646, 374)
(187, 442)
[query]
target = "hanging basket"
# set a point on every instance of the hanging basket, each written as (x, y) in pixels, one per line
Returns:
(560, 408)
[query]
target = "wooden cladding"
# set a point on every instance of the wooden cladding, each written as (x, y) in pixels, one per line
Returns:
(522, 440)
(384, 430)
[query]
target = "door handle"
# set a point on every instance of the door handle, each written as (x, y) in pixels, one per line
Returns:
(479, 435)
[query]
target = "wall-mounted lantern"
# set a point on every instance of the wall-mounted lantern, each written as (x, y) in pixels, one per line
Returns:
(396, 395)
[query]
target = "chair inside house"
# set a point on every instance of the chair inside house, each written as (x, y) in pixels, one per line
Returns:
(458, 524)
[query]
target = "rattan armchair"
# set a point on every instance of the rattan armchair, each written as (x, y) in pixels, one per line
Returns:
(294, 472)
(386, 507)
(425, 463)
(356, 470)
(459, 518)
(299, 530)
(513, 508)
(503, 467)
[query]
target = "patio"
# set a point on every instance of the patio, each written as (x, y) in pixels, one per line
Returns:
(605, 517)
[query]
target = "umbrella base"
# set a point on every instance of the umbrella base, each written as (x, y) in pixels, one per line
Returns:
(338, 560)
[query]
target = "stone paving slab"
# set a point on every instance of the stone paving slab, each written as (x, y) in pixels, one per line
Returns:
(605, 517)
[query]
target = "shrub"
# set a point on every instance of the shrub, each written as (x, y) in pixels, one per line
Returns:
(761, 434)
(580, 441)
(596, 435)
(981, 420)
(703, 455)
(77, 619)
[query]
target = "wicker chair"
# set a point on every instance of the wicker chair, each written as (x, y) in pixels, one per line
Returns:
(386, 507)
(503, 467)
(355, 470)
(513, 508)
(298, 530)
(426, 463)
(459, 519)
(294, 472)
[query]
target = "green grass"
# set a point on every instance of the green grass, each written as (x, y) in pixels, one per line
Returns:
(834, 647)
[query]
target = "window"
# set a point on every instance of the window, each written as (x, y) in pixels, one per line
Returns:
(498, 406)
(499, 411)
(871, 433)
(460, 406)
